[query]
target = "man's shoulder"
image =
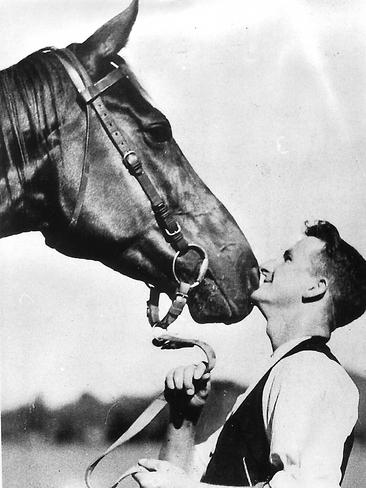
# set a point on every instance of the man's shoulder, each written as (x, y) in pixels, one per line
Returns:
(313, 368)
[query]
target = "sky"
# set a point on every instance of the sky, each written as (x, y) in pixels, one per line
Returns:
(267, 101)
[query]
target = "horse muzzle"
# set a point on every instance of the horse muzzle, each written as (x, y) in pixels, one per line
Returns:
(210, 302)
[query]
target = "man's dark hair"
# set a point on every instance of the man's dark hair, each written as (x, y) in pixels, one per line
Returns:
(345, 270)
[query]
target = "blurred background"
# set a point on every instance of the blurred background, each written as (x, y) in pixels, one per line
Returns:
(267, 101)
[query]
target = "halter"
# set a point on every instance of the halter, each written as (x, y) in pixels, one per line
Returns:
(91, 96)
(90, 93)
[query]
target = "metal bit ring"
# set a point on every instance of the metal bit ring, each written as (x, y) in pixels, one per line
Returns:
(204, 265)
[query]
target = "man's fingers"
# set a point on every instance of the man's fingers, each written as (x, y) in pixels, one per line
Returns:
(169, 380)
(152, 464)
(199, 370)
(188, 379)
(140, 477)
(146, 480)
(178, 376)
(184, 377)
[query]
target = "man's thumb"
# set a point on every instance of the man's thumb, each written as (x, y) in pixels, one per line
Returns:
(151, 464)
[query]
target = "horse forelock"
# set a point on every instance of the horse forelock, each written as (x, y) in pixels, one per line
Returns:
(136, 83)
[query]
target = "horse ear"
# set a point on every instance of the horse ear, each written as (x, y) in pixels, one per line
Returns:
(108, 39)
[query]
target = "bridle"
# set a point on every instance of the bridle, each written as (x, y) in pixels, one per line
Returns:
(90, 95)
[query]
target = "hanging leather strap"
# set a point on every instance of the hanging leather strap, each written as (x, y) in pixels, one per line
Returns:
(181, 294)
(166, 342)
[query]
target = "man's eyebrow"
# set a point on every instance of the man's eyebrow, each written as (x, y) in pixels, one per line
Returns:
(287, 254)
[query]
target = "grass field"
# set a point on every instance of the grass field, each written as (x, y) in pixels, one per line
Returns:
(35, 464)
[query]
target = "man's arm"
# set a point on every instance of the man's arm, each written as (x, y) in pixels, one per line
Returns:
(310, 407)
(186, 390)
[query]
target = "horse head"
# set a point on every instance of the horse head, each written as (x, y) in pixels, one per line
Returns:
(44, 142)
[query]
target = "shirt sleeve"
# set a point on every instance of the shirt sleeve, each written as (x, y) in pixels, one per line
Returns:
(202, 454)
(310, 406)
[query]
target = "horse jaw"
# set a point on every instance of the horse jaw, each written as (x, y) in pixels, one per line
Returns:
(109, 39)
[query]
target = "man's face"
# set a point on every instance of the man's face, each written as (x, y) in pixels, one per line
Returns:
(286, 280)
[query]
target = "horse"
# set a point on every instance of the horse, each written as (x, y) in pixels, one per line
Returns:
(61, 174)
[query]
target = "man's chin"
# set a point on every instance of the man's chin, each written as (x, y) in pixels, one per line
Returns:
(258, 301)
(255, 297)
(258, 298)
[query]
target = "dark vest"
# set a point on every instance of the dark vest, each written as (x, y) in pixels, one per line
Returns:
(243, 436)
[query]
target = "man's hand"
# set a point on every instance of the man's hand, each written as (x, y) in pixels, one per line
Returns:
(187, 387)
(162, 474)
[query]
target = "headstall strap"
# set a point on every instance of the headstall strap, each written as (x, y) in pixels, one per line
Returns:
(90, 93)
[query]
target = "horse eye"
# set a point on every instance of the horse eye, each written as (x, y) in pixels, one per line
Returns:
(159, 132)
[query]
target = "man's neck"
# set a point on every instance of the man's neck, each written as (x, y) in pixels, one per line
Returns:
(282, 329)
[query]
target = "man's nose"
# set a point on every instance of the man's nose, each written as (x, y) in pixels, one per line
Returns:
(267, 268)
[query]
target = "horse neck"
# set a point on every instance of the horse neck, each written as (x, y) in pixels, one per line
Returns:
(28, 115)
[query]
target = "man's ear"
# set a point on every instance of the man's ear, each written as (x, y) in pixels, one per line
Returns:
(108, 40)
(316, 291)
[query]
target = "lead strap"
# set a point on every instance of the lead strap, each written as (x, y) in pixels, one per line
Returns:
(165, 342)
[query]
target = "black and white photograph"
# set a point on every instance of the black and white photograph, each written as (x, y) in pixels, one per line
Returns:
(183, 243)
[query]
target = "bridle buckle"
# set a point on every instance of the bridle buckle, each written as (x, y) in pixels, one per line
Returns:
(175, 232)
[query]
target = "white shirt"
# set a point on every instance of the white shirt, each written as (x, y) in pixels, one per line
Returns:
(310, 406)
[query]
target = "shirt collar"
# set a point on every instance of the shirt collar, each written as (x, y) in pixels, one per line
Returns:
(286, 347)
(276, 356)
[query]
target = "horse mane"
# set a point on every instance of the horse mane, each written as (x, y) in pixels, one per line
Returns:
(29, 109)
(32, 94)
(31, 80)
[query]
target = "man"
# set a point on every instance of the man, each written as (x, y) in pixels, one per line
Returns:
(293, 428)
